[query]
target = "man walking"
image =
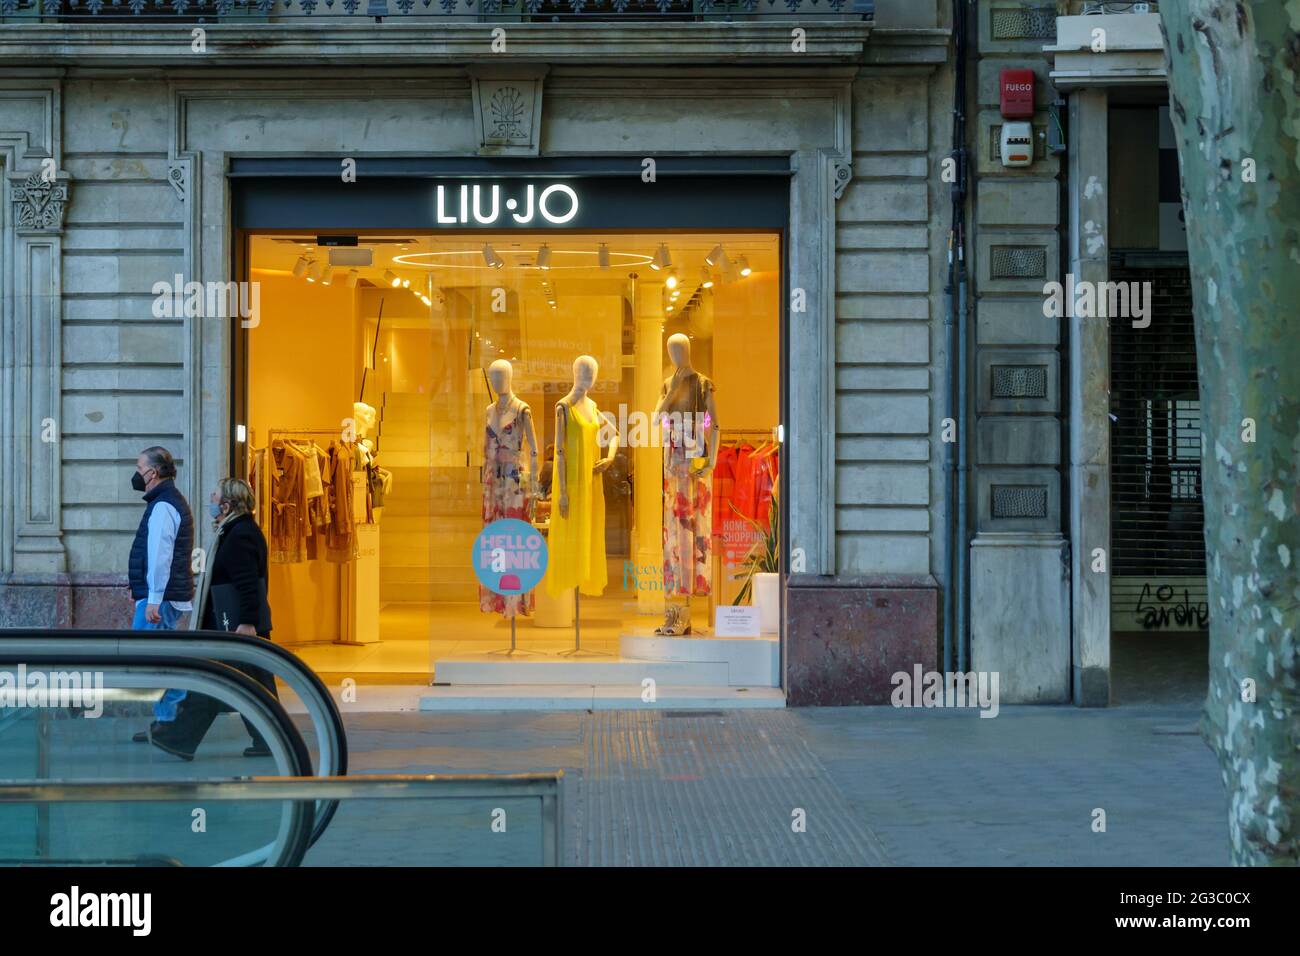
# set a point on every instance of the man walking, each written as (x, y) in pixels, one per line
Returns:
(159, 568)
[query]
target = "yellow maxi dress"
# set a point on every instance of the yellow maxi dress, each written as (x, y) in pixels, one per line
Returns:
(577, 543)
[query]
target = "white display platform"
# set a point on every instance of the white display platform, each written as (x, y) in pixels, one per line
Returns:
(750, 661)
(581, 697)
(496, 669)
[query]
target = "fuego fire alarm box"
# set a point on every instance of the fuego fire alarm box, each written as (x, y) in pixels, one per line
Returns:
(1017, 94)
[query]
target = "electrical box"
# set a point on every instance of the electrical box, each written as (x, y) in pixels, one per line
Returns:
(1017, 144)
(1016, 96)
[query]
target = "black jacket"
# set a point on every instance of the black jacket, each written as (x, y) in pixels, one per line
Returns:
(240, 559)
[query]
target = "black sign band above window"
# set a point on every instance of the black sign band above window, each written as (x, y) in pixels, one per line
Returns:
(466, 195)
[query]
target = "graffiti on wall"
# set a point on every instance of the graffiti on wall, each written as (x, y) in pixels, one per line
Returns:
(1162, 606)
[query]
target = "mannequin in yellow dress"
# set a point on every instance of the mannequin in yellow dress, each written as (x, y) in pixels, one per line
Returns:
(577, 535)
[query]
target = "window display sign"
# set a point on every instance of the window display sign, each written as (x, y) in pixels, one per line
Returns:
(509, 556)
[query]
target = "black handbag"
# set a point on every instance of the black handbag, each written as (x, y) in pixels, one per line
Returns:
(224, 600)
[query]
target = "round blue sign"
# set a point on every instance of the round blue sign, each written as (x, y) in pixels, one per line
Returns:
(509, 556)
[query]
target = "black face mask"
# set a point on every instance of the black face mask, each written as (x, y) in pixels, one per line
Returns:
(137, 481)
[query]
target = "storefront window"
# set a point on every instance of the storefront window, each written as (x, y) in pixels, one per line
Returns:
(413, 380)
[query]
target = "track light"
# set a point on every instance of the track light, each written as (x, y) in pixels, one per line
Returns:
(490, 256)
(715, 256)
(313, 273)
(425, 299)
(544, 257)
(662, 259)
(300, 267)
(671, 281)
(603, 256)
(406, 283)
(328, 277)
(706, 278)
(743, 264)
(668, 308)
(391, 278)
(353, 277)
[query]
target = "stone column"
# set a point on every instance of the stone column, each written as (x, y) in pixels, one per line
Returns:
(1090, 400)
(39, 202)
(647, 457)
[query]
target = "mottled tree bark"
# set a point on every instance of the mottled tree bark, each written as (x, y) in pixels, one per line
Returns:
(1234, 96)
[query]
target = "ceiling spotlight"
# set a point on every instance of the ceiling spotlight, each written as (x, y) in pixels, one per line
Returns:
(743, 264)
(715, 256)
(425, 299)
(490, 256)
(671, 281)
(603, 256)
(391, 278)
(662, 260)
(706, 278)
(406, 283)
(328, 277)
(300, 267)
(314, 272)
(669, 308)
(353, 277)
(544, 257)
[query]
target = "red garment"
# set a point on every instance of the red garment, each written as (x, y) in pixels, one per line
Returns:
(724, 481)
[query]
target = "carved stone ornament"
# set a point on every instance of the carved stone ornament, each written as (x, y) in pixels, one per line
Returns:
(39, 204)
(843, 174)
(508, 112)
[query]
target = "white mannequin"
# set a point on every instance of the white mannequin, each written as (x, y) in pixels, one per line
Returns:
(509, 408)
(584, 376)
(679, 351)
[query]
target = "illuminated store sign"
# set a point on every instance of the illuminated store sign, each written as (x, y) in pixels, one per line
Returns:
(482, 205)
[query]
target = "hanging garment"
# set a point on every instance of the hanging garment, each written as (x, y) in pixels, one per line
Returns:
(577, 543)
(505, 496)
(288, 506)
(724, 485)
(688, 497)
(340, 536)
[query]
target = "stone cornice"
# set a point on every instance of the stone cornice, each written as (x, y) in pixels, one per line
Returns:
(131, 45)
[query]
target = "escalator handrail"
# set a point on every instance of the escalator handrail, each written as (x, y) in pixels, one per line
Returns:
(223, 645)
(225, 683)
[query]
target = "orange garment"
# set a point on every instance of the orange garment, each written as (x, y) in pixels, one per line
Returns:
(288, 524)
(340, 536)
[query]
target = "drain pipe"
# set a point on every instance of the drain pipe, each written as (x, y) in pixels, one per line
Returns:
(956, 554)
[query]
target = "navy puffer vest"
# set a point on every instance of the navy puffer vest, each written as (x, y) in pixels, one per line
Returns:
(180, 583)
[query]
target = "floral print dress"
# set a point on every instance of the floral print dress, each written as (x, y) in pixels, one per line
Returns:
(688, 493)
(505, 496)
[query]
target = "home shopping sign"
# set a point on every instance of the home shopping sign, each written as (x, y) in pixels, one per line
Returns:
(509, 556)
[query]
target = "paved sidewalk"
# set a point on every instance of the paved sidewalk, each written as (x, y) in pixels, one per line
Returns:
(875, 785)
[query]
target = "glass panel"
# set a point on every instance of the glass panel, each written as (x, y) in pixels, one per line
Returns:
(410, 330)
(502, 831)
(87, 732)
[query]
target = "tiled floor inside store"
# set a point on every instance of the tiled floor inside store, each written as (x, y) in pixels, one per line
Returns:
(416, 635)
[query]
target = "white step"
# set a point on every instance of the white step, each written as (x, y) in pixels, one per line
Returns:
(750, 661)
(493, 669)
(597, 697)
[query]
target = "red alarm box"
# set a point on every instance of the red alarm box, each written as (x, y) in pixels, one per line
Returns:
(1016, 98)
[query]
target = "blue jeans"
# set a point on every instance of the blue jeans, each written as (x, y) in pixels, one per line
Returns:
(165, 709)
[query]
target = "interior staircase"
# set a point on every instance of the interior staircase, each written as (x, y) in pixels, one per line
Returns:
(433, 512)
